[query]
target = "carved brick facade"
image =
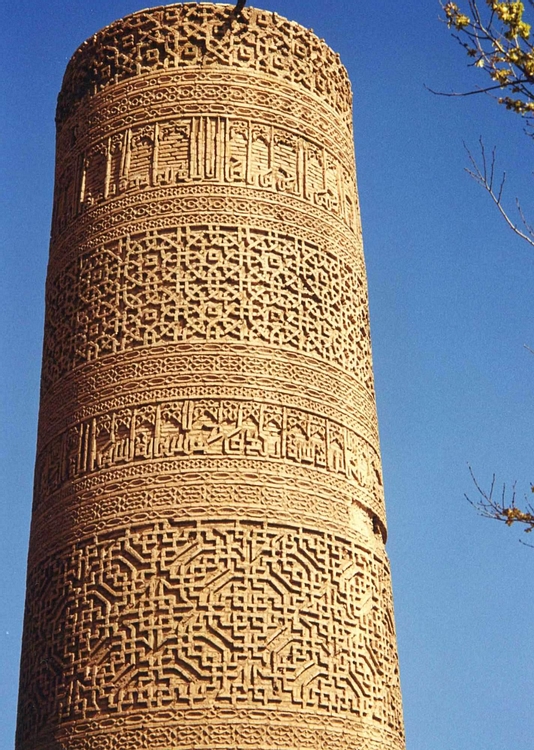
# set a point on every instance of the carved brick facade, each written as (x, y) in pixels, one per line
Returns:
(207, 565)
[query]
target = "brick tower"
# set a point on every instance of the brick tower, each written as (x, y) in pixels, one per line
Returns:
(207, 567)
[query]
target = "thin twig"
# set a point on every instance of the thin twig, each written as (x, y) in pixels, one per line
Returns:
(480, 175)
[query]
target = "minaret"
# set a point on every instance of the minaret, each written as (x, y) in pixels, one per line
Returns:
(207, 567)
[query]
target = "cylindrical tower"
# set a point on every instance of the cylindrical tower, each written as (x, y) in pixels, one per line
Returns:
(207, 565)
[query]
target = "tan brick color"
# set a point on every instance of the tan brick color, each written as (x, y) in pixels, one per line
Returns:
(207, 567)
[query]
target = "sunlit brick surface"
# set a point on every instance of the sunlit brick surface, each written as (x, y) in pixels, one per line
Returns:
(207, 565)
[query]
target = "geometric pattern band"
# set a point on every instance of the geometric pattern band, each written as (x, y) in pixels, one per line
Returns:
(180, 614)
(207, 283)
(193, 36)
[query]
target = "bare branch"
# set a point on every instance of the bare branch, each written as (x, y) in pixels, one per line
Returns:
(464, 93)
(480, 174)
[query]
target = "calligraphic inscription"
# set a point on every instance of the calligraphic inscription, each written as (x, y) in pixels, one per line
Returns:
(205, 428)
(207, 566)
(187, 370)
(213, 150)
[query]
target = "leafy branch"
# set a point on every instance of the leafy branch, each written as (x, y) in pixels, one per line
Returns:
(497, 40)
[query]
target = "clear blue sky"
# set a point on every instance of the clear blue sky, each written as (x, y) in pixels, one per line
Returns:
(451, 295)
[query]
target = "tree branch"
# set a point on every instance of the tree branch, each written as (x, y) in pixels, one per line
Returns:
(465, 93)
(482, 177)
(502, 509)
